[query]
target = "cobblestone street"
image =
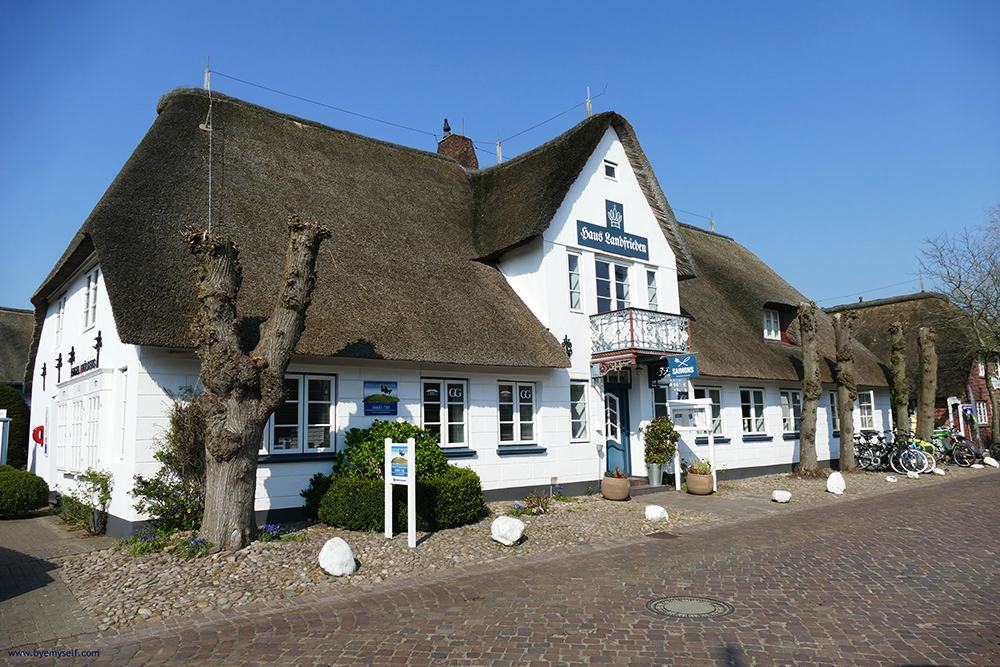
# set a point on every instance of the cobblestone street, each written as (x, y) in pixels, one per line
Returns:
(908, 578)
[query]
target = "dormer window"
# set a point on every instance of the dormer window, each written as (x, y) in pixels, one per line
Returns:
(772, 324)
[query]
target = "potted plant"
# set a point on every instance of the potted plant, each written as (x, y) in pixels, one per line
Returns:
(699, 478)
(660, 440)
(615, 485)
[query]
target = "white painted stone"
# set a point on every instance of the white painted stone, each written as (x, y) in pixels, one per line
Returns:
(978, 466)
(336, 558)
(781, 496)
(990, 461)
(913, 475)
(656, 513)
(835, 484)
(890, 478)
(939, 471)
(507, 530)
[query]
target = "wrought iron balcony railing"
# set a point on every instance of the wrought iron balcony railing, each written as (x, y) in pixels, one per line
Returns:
(639, 331)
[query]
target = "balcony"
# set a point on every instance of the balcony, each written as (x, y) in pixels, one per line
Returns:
(632, 332)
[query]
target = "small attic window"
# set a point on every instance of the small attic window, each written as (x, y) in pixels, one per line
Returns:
(610, 170)
(772, 324)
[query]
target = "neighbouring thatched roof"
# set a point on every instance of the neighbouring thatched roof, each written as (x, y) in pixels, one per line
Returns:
(726, 305)
(408, 274)
(924, 309)
(15, 338)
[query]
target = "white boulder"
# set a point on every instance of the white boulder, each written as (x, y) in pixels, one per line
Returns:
(913, 475)
(992, 462)
(939, 471)
(835, 484)
(781, 496)
(656, 513)
(890, 478)
(977, 466)
(336, 558)
(507, 530)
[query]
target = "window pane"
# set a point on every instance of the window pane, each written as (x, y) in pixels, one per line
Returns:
(456, 413)
(286, 438)
(287, 414)
(603, 270)
(319, 414)
(432, 392)
(526, 413)
(506, 432)
(319, 390)
(291, 389)
(506, 412)
(527, 432)
(318, 436)
(432, 414)
(456, 434)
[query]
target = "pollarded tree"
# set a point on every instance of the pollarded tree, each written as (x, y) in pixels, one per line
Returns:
(927, 344)
(900, 390)
(847, 391)
(812, 389)
(966, 267)
(243, 388)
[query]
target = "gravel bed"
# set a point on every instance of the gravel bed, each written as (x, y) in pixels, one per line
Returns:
(120, 591)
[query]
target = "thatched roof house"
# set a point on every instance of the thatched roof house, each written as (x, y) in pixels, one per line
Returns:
(726, 304)
(409, 274)
(924, 309)
(15, 339)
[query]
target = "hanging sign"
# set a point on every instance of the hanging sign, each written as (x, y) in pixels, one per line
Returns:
(683, 367)
(380, 399)
(612, 237)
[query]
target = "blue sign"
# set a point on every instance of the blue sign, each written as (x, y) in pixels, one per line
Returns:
(683, 367)
(380, 399)
(612, 237)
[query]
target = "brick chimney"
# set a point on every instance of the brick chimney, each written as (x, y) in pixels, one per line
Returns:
(458, 147)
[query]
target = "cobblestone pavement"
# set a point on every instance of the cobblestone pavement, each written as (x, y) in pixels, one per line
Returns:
(909, 578)
(35, 605)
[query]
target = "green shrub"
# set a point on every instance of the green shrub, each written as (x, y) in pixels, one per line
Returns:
(20, 492)
(451, 499)
(72, 511)
(313, 494)
(19, 415)
(174, 498)
(364, 455)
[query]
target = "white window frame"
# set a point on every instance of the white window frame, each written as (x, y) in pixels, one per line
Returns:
(866, 410)
(578, 411)
(772, 324)
(611, 167)
(834, 411)
(615, 302)
(755, 423)
(576, 290)
(453, 393)
(60, 319)
(715, 395)
(518, 421)
(982, 413)
(652, 289)
(791, 410)
(90, 297)
(270, 445)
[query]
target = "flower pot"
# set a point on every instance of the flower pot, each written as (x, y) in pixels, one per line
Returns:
(615, 488)
(653, 472)
(699, 485)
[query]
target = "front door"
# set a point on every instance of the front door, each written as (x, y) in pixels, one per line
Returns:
(616, 425)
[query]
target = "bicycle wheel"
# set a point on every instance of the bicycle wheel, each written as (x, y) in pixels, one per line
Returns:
(929, 461)
(963, 455)
(995, 450)
(865, 458)
(896, 462)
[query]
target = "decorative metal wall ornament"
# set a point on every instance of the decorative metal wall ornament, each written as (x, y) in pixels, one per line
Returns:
(71, 358)
(98, 344)
(43, 374)
(567, 345)
(59, 368)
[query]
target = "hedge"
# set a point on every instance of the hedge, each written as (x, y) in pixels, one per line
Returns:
(451, 499)
(20, 492)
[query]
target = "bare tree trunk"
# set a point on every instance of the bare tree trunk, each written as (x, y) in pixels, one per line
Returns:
(900, 390)
(812, 387)
(242, 390)
(847, 391)
(994, 397)
(928, 384)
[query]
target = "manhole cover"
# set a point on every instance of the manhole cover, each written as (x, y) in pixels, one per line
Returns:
(683, 606)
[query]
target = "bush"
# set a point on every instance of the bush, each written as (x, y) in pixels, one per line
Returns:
(364, 455)
(174, 498)
(451, 499)
(20, 492)
(19, 414)
(313, 494)
(73, 512)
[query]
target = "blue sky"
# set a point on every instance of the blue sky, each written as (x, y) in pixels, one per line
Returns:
(829, 138)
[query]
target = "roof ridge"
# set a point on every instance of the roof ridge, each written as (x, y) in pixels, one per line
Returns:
(887, 301)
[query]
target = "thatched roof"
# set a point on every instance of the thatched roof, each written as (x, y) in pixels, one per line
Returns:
(726, 304)
(924, 309)
(15, 338)
(408, 274)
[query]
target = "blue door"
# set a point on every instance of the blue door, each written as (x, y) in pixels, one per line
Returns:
(616, 425)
